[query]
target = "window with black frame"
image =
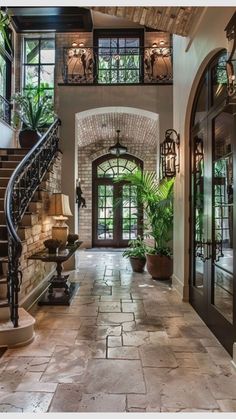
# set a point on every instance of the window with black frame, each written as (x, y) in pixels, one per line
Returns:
(39, 64)
(118, 58)
(5, 77)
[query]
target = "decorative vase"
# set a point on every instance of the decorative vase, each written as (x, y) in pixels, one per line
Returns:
(159, 266)
(28, 137)
(137, 263)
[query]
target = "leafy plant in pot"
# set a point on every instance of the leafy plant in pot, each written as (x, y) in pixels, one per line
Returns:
(35, 110)
(156, 198)
(136, 254)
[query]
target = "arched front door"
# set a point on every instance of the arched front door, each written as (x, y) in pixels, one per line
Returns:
(116, 216)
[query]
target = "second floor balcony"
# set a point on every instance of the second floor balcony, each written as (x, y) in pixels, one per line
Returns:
(112, 66)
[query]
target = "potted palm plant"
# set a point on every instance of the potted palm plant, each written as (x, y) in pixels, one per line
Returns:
(136, 254)
(156, 198)
(35, 110)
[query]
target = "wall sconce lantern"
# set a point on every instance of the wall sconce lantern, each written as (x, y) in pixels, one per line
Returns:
(118, 149)
(169, 154)
(231, 61)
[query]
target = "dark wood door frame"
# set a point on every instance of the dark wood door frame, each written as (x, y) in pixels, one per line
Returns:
(117, 240)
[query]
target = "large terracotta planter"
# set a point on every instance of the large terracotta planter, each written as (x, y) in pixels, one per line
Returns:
(159, 266)
(28, 138)
(137, 263)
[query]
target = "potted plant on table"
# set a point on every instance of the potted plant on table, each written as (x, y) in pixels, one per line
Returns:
(35, 110)
(156, 198)
(136, 254)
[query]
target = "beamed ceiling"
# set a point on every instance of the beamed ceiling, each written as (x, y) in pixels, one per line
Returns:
(176, 20)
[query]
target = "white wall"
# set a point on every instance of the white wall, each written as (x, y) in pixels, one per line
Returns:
(6, 135)
(188, 67)
(74, 99)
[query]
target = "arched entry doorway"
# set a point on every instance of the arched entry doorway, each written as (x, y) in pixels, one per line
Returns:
(213, 261)
(116, 215)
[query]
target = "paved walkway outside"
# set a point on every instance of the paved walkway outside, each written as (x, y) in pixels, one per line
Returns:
(126, 343)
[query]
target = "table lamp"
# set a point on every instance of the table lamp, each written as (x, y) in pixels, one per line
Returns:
(59, 209)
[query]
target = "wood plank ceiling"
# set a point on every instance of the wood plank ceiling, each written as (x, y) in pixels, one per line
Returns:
(175, 20)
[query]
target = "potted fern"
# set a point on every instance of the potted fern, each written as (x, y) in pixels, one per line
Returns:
(156, 198)
(35, 110)
(136, 252)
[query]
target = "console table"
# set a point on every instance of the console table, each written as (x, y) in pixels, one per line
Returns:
(60, 290)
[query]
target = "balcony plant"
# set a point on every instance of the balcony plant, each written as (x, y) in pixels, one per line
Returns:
(34, 108)
(5, 21)
(156, 198)
(136, 252)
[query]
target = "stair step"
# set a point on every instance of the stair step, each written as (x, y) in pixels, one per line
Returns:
(2, 218)
(8, 164)
(4, 302)
(2, 192)
(21, 151)
(34, 206)
(4, 181)
(17, 336)
(6, 172)
(12, 157)
(3, 232)
(2, 204)
(28, 219)
(3, 247)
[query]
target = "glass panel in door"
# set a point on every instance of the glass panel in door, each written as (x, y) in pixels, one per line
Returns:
(222, 297)
(129, 212)
(199, 211)
(105, 211)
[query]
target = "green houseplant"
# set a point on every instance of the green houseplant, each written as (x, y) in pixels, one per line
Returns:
(156, 198)
(34, 108)
(5, 21)
(136, 254)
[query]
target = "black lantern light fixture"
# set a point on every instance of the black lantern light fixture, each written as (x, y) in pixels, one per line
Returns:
(118, 149)
(169, 154)
(231, 60)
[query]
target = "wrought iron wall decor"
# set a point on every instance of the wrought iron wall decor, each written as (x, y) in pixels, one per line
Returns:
(21, 187)
(86, 65)
(231, 61)
(80, 200)
(169, 154)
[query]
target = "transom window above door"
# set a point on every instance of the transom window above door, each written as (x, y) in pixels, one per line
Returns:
(115, 167)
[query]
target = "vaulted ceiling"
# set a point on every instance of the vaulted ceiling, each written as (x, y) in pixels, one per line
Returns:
(137, 126)
(176, 20)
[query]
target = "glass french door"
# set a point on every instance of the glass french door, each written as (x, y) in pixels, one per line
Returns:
(213, 224)
(116, 215)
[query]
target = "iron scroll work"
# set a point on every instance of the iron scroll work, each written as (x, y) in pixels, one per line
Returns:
(20, 190)
(92, 65)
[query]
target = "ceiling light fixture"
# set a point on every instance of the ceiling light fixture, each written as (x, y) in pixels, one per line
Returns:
(118, 149)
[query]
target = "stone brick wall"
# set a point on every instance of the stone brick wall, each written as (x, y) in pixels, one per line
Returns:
(86, 156)
(34, 271)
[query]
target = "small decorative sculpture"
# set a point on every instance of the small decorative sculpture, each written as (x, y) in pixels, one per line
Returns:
(52, 245)
(72, 238)
(79, 198)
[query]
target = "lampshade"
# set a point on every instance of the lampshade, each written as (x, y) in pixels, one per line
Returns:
(59, 205)
(118, 149)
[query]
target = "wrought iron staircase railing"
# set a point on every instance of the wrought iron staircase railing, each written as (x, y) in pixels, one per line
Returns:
(21, 187)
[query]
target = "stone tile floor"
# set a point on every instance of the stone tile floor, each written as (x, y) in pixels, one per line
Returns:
(126, 343)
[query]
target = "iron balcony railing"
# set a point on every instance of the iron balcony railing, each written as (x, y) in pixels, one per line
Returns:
(108, 66)
(5, 110)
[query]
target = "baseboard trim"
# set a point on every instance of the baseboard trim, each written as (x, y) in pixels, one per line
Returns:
(182, 289)
(28, 301)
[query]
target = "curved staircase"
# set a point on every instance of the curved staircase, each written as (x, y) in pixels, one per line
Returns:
(23, 173)
(9, 336)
